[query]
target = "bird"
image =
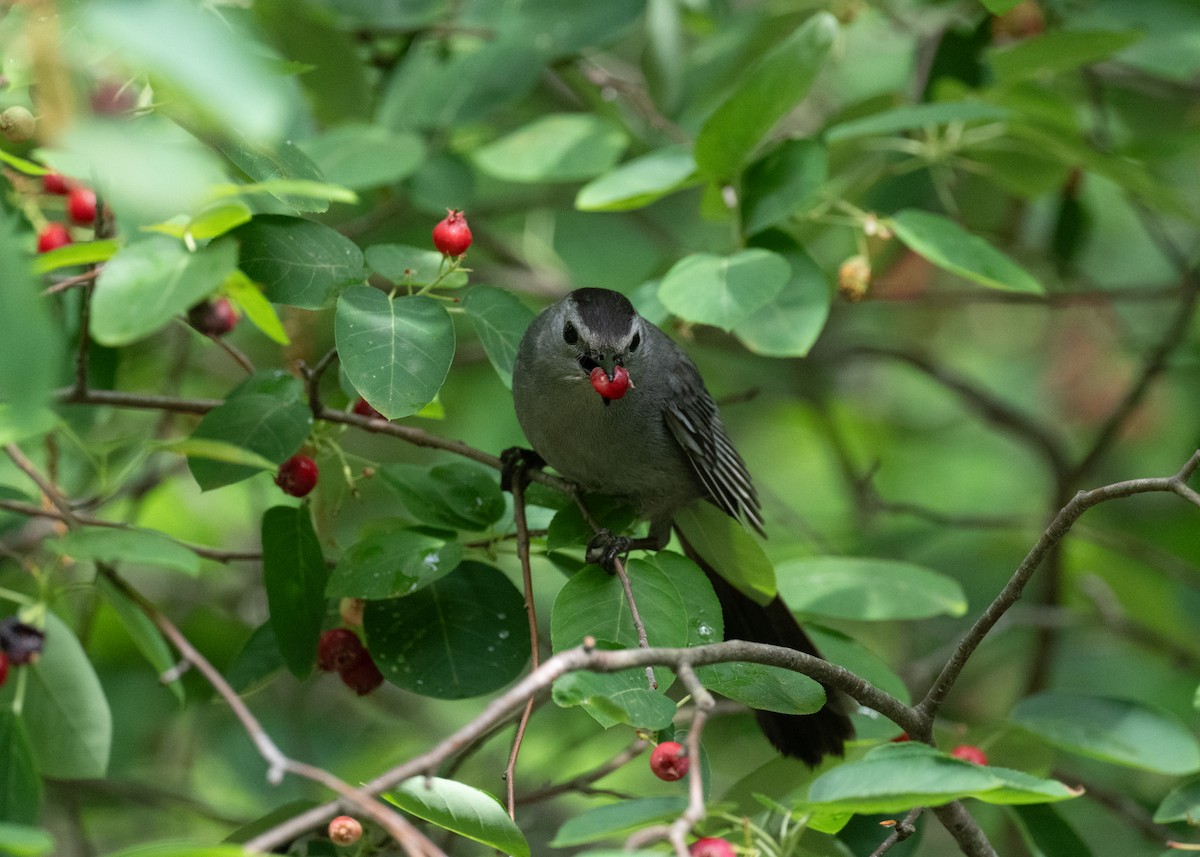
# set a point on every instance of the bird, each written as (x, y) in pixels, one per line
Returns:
(613, 404)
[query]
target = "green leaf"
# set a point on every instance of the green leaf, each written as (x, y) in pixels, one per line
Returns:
(784, 182)
(33, 354)
(251, 301)
(1118, 731)
(141, 630)
(298, 262)
(361, 156)
(723, 291)
(295, 576)
(1181, 804)
(911, 117)
(20, 785)
(417, 266)
(256, 661)
(725, 545)
(395, 351)
(392, 563)
(867, 589)
(21, 165)
(500, 320)
(148, 283)
(562, 147)
(83, 253)
(217, 450)
(1057, 51)
(764, 687)
(266, 414)
(613, 698)
(459, 495)
(460, 809)
(705, 620)
(1046, 833)
(199, 54)
(639, 181)
(947, 245)
(177, 848)
(140, 547)
(896, 777)
(568, 529)
(617, 820)
(65, 711)
(790, 324)
(769, 91)
(463, 635)
(592, 603)
(218, 218)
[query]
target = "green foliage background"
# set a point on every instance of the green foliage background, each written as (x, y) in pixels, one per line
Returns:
(1015, 185)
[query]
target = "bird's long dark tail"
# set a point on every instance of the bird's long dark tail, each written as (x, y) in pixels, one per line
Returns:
(807, 737)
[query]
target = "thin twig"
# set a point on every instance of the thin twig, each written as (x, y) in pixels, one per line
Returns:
(901, 830)
(48, 488)
(638, 624)
(583, 782)
(518, 494)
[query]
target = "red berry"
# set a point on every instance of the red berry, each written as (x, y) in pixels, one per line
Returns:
(364, 409)
(3, 668)
(339, 649)
(297, 476)
(363, 677)
(53, 236)
(610, 388)
(56, 183)
(711, 846)
(970, 753)
(669, 761)
(345, 830)
(81, 206)
(902, 737)
(216, 318)
(452, 236)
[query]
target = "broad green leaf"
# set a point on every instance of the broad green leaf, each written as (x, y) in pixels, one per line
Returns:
(896, 777)
(33, 353)
(1046, 833)
(295, 576)
(1118, 731)
(769, 91)
(723, 291)
(139, 547)
(392, 563)
(142, 631)
(178, 848)
(458, 495)
(266, 414)
(417, 266)
(617, 820)
(947, 245)
(1181, 804)
(785, 181)
(251, 301)
(764, 687)
(500, 320)
(464, 635)
(65, 711)
(1057, 51)
(20, 785)
(789, 325)
(867, 589)
(21, 165)
(845, 651)
(705, 620)
(461, 809)
(313, 193)
(256, 661)
(563, 147)
(725, 545)
(83, 253)
(569, 531)
(361, 156)
(395, 351)
(612, 698)
(218, 218)
(298, 262)
(217, 450)
(912, 117)
(199, 54)
(639, 181)
(146, 284)
(17, 840)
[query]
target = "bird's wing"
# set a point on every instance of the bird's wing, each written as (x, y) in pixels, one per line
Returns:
(692, 417)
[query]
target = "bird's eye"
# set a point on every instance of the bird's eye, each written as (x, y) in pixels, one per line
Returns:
(570, 334)
(635, 342)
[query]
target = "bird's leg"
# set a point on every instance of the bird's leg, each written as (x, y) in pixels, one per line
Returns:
(604, 548)
(516, 461)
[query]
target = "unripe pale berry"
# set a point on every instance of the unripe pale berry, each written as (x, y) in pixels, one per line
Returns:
(452, 235)
(711, 846)
(297, 476)
(970, 753)
(81, 206)
(17, 124)
(610, 388)
(669, 761)
(854, 277)
(345, 830)
(53, 236)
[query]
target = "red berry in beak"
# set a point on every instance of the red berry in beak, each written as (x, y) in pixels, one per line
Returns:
(610, 388)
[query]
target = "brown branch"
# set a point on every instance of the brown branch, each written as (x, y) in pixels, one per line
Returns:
(901, 830)
(638, 625)
(966, 831)
(48, 488)
(519, 477)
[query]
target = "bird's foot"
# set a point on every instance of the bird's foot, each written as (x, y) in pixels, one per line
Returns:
(516, 463)
(604, 549)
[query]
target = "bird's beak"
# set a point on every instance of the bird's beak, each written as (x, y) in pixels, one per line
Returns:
(609, 365)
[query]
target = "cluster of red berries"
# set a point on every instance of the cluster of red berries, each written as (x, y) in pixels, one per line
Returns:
(81, 210)
(298, 475)
(20, 644)
(341, 651)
